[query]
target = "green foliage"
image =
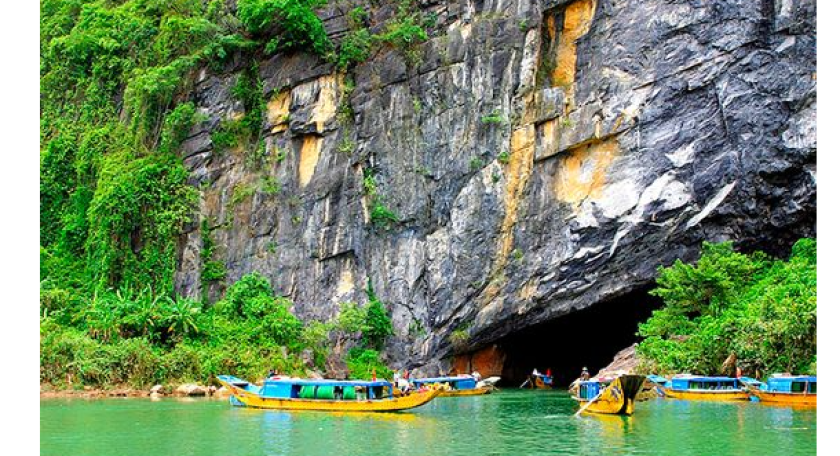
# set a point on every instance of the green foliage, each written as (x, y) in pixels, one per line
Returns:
(377, 323)
(403, 31)
(346, 146)
(503, 157)
(381, 216)
(295, 23)
(134, 218)
(115, 83)
(355, 48)
(493, 118)
(240, 193)
(364, 363)
(369, 184)
(213, 270)
(113, 191)
(476, 163)
(760, 309)
(460, 336)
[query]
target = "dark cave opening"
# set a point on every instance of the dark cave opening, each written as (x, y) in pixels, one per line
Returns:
(590, 337)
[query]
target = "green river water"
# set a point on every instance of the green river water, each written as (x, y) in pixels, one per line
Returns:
(510, 422)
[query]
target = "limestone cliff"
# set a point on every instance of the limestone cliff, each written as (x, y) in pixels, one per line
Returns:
(541, 156)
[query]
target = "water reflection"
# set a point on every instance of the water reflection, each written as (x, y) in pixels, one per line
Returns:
(508, 423)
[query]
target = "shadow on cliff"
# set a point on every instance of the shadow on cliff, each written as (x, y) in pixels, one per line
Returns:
(590, 337)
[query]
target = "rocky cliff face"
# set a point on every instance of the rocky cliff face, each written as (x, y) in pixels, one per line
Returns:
(541, 157)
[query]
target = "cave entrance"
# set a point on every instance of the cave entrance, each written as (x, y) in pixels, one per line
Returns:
(590, 337)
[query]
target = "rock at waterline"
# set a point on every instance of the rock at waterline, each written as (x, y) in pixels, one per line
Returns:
(191, 389)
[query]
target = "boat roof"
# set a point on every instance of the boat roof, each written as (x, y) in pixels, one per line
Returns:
(657, 378)
(793, 378)
(325, 382)
(594, 380)
(311, 381)
(700, 378)
(442, 379)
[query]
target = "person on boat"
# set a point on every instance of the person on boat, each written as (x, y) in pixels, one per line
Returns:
(476, 376)
(584, 374)
(271, 373)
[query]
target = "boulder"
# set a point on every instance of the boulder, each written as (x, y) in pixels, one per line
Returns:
(191, 389)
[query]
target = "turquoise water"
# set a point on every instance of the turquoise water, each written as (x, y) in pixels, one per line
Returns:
(506, 423)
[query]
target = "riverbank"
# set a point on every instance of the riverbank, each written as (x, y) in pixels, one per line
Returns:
(157, 391)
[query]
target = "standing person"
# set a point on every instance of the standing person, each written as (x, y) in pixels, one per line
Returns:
(584, 374)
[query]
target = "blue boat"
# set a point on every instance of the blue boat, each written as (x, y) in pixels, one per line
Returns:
(785, 389)
(462, 385)
(705, 388)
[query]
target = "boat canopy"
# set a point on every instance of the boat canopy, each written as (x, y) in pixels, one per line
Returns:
(692, 382)
(657, 379)
(317, 382)
(588, 389)
(791, 384)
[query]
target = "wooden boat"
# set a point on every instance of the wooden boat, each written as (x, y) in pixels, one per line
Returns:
(615, 396)
(705, 388)
(787, 390)
(539, 381)
(323, 395)
(462, 385)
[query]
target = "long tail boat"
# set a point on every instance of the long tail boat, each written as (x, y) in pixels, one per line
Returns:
(323, 395)
(538, 381)
(782, 389)
(615, 396)
(462, 385)
(705, 388)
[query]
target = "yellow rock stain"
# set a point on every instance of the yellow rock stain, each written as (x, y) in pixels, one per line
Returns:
(576, 22)
(582, 174)
(278, 111)
(327, 104)
(309, 153)
(517, 173)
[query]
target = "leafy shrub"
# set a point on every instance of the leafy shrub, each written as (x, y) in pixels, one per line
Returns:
(298, 26)
(364, 363)
(381, 216)
(760, 309)
(377, 324)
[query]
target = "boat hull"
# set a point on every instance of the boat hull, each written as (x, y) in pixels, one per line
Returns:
(465, 392)
(619, 397)
(800, 399)
(249, 399)
(707, 395)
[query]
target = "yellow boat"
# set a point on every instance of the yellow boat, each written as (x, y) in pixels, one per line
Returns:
(615, 396)
(323, 395)
(462, 385)
(695, 387)
(788, 390)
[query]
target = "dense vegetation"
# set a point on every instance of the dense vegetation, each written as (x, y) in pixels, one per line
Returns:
(762, 310)
(115, 84)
